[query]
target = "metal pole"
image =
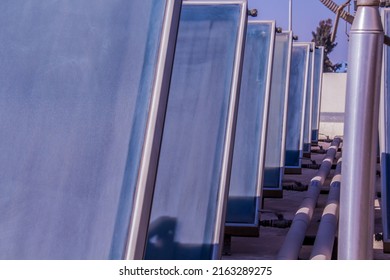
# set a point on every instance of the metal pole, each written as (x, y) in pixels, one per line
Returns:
(361, 133)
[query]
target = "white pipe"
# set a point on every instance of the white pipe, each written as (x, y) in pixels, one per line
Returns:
(296, 235)
(323, 245)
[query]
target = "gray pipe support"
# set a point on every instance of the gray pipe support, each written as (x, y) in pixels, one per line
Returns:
(296, 235)
(323, 245)
(361, 135)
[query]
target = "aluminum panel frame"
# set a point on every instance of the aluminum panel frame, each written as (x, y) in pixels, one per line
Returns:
(307, 133)
(384, 131)
(296, 115)
(247, 152)
(139, 221)
(213, 250)
(276, 136)
(317, 95)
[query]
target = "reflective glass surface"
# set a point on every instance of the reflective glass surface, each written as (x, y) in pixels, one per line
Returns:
(76, 79)
(317, 87)
(183, 218)
(387, 84)
(296, 101)
(276, 131)
(385, 156)
(249, 143)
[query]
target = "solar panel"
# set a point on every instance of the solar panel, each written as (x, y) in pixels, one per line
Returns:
(194, 166)
(296, 106)
(317, 87)
(309, 104)
(249, 145)
(276, 131)
(80, 82)
(384, 133)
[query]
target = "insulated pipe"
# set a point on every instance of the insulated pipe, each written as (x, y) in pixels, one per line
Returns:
(361, 134)
(323, 245)
(296, 235)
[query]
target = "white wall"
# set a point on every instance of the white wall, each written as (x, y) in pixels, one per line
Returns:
(334, 87)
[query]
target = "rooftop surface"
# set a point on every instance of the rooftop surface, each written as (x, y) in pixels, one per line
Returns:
(267, 245)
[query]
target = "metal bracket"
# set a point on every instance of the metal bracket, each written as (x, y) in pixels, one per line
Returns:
(348, 17)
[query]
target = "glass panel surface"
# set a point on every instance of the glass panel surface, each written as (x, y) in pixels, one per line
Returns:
(385, 180)
(76, 79)
(318, 66)
(276, 131)
(387, 85)
(183, 218)
(249, 144)
(296, 101)
(308, 103)
(385, 156)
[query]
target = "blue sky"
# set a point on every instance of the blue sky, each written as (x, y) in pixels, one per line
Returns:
(306, 16)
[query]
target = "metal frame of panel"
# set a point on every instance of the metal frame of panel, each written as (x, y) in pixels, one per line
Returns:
(382, 105)
(309, 104)
(89, 182)
(276, 190)
(242, 225)
(298, 154)
(147, 174)
(216, 233)
(384, 133)
(318, 73)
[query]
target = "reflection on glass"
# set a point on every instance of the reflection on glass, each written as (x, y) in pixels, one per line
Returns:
(183, 217)
(296, 101)
(252, 116)
(76, 79)
(276, 131)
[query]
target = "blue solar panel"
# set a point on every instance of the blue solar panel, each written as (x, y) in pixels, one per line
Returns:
(249, 146)
(276, 132)
(309, 104)
(191, 186)
(385, 137)
(317, 90)
(296, 105)
(77, 79)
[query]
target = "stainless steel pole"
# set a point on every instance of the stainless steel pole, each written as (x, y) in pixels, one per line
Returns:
(361, 133)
